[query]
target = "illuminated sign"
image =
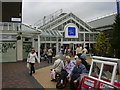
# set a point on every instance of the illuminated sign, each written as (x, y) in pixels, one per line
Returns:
(71, 31)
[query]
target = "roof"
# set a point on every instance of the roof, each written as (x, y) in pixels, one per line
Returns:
(103, 21)
(17, 27)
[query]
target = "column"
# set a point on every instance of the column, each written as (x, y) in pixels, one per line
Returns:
(45, 43)
(73, 49)
(57, 44)
(62, 41)
(39, 46)
(51, 44)
(20, 49)
(33, 42)
(84, 39)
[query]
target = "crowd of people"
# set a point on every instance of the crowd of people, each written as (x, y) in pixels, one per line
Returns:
(70, 68)
(67, 69)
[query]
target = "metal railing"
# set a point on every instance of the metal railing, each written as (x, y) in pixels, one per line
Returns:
(48, 18)
(10, 26)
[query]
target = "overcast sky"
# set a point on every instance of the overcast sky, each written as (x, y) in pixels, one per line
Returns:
(36, 10)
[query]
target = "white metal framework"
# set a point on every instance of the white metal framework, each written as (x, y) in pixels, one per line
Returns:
(86, 35)
(108, 61)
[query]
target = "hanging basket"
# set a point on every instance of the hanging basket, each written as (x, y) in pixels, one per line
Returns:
(36, 39)
(18, 37)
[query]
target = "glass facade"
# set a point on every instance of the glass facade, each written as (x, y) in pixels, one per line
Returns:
(8, 51)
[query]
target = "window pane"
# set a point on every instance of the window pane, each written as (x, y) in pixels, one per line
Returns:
(107, 72)
(96, 69)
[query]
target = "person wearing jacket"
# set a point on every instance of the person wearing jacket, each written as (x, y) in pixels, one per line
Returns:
(75, 75)
(79, 50)
(32, 56)
(57, 67)
(49, 54)
(68, 65)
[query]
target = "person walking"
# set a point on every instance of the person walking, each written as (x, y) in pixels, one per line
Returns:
(79, 50)
(62, 50)
(50, 52)
(74, 61)
(45, 54)
(31, 60)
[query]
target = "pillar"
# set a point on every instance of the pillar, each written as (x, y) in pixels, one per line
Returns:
(62, 41)
(57, 45)
(39, 46)
(20, 49)
(33, 42)
(84, 39)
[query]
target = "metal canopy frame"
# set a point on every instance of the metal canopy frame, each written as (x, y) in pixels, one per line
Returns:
(51, 33)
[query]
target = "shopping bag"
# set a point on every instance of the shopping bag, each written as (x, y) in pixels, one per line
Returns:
(28, 65)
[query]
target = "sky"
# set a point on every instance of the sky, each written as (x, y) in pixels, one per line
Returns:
(34, 10)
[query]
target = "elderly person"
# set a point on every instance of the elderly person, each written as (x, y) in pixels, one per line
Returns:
(57, 67)
(68, 65)
(75, 75)
(31, 60)
(65, 73)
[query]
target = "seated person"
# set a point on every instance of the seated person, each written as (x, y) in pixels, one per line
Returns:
(85, 50)
(69, 65)
(57, 67)
(61, 83)
(75, 75)
(83, 58)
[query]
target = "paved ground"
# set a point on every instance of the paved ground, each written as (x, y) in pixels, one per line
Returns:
(15, 75)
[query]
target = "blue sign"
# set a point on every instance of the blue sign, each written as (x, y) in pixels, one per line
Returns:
(71, 31)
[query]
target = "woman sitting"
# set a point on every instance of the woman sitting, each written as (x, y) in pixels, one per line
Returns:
(57, 67)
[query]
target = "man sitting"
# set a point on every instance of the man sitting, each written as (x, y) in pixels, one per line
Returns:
(75, 75)
(83, 58)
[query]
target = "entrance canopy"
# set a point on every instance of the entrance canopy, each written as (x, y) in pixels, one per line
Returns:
(51, 33)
